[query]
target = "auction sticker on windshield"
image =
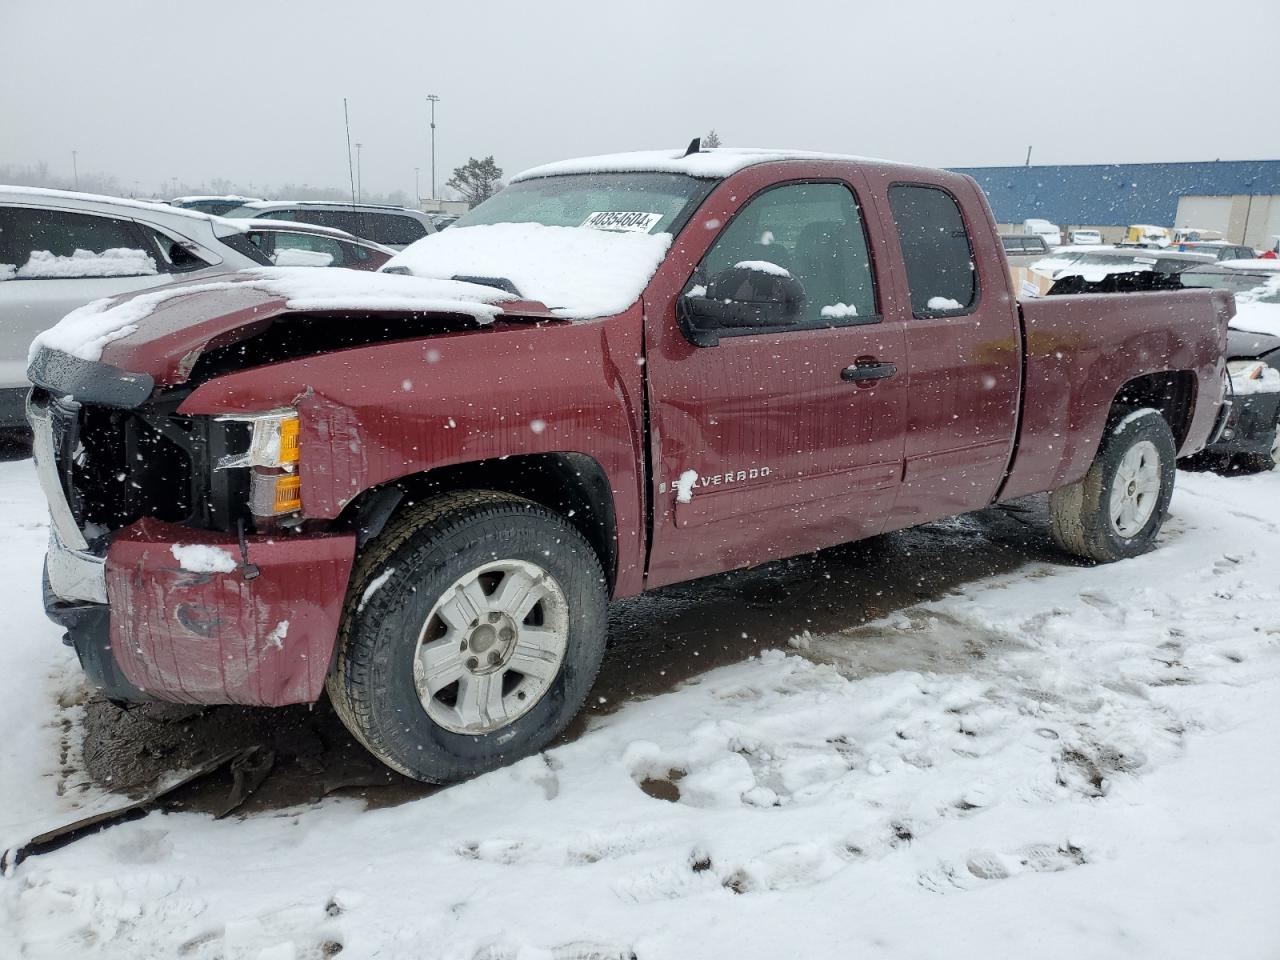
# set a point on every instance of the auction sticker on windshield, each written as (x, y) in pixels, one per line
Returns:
(627, 221)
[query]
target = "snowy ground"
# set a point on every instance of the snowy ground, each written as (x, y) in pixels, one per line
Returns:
(1056, 762)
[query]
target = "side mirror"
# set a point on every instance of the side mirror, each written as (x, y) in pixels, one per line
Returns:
(749, 296)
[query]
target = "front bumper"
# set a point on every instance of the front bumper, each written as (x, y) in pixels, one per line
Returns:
(1250, 427)
(262, 633)
(253, 622)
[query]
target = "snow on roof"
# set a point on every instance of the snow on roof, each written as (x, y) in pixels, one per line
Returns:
(1270, 266)
(709, 163)
(40, 193)
(344, 204)
(216, 196)
(578, 272)
(85, 331)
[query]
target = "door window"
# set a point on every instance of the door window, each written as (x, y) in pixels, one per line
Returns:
(795, 256)
(393, 228)
(936, 250)
(40, 244)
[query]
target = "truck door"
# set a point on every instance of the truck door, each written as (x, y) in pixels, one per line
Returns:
(962, 354)
(786, 434)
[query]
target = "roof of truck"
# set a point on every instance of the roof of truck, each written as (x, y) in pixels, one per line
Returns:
(707, 163)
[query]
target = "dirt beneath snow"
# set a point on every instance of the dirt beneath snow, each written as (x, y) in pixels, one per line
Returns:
(657, 641)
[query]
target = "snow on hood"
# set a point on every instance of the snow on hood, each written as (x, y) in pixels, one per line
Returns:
(1255, 316)
(709, 163)
(578, 272)
(85, 331)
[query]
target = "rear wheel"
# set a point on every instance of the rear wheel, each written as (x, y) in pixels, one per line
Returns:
(473, 630)
(1117, 508)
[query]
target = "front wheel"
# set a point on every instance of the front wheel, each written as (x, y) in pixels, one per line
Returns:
(1117, 508)
(473, 630)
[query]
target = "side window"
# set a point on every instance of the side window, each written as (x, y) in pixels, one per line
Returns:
(794, 256)
(40, 244)
(936, 250)
(393, 228)
(306, 250)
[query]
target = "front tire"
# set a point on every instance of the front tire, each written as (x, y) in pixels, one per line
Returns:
(1116, 510)
(473, 630)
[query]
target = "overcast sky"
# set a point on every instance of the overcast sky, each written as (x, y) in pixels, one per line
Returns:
(252, 90)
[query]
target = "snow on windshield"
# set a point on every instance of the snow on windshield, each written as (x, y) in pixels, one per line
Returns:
(84, 332)
(578, 272)
(116, 262)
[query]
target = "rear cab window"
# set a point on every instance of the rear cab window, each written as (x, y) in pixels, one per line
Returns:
(936, 250)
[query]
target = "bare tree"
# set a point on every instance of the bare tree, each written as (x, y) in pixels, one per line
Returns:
(712, 139)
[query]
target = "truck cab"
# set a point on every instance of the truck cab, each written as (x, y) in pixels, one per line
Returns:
(417, 490)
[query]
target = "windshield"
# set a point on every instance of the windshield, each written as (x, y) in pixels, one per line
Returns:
(639, 202)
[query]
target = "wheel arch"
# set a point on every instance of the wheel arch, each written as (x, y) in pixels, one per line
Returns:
(574, 485)
(1171, 392)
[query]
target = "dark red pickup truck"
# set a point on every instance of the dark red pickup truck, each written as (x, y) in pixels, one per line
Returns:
(419, 489)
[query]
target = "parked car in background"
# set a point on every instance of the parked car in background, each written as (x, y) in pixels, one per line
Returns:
(1251, 438)
(1023, 249)
(1218, 249)
(60, 250)
(288, 244)
(1050, 232)
(1146, 235)
(212, 205)
(1195, 235)
(663, 366)
(1086, 238)
(1115, 270)
(394, 227)
(442, 220)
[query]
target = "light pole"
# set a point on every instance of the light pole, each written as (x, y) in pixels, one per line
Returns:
(359, 179)
(75, 169)
(433, 100)
(417, 191)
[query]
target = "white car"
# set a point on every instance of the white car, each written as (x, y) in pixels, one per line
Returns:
(1051, 232)
(60, 250)
(1086, 238)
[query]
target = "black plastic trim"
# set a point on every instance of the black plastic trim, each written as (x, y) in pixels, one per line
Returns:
(89, 381)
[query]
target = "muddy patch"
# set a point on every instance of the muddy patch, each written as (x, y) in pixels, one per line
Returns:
(657, 641)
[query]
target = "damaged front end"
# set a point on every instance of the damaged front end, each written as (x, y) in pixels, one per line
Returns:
(131, 482)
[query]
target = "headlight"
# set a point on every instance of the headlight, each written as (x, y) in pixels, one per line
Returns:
(272, 455)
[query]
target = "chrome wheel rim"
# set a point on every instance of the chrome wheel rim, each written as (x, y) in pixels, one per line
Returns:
(491, 646)
(1135, 489)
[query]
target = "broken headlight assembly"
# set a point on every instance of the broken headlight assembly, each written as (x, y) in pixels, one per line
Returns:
(272, 455)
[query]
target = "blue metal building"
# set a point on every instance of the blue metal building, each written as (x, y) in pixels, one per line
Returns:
(1118, 193)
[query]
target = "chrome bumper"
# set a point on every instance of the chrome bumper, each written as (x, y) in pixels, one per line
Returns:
(74, 572)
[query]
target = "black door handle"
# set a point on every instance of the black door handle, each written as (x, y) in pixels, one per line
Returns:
(865, 370)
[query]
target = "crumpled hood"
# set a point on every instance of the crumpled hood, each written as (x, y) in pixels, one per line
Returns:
(161, 333)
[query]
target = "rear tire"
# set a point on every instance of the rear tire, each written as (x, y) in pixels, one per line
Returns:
(498, 596)
(1116, 510)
